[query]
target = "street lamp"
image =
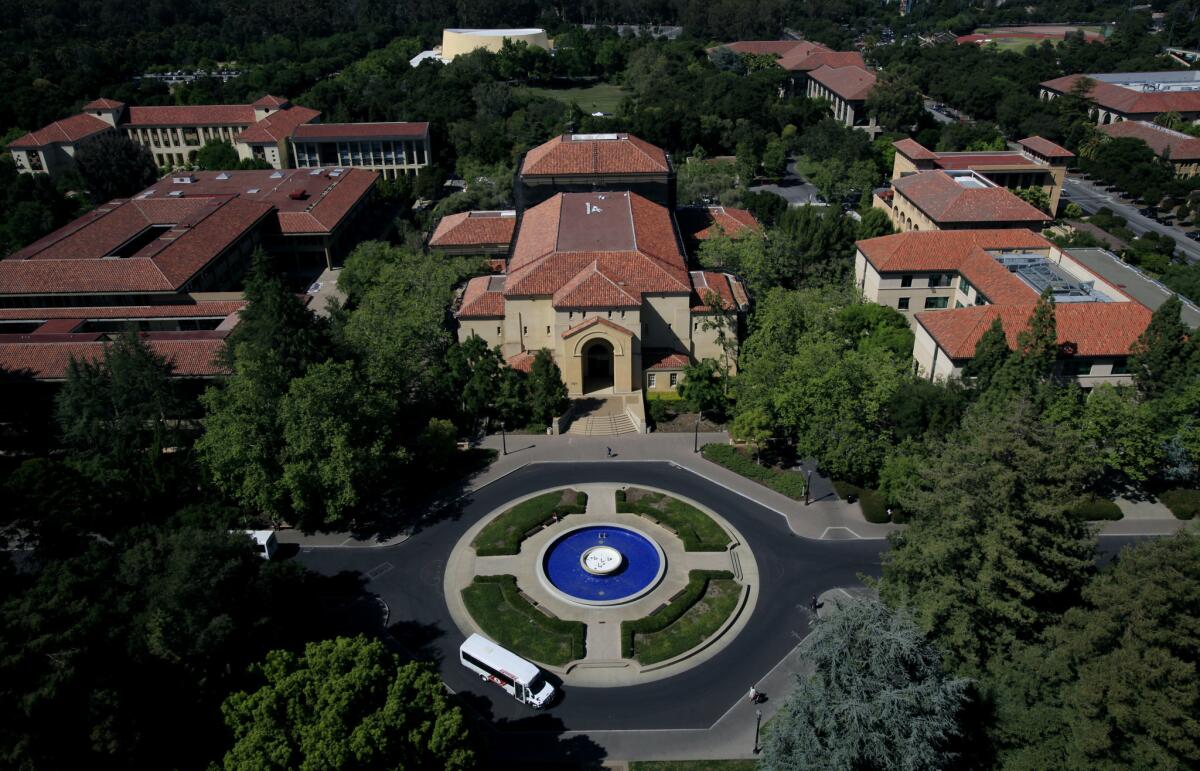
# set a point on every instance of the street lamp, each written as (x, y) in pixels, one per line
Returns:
(757, 725)
(808, 488)
(696, 434)
(503, 440)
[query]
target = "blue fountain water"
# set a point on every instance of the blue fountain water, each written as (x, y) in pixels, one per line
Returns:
(639, 568)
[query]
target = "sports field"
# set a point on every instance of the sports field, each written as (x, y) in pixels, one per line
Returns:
(602, 97)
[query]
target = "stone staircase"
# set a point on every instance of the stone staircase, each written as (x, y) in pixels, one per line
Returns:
(601, 425)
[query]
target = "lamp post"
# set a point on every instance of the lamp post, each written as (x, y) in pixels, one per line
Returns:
(696, 434)
(503, 440)
(808, 488)
(757, 725)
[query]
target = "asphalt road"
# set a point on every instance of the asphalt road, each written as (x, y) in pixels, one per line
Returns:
(408, 577)
(1092, 198)
(795, 189)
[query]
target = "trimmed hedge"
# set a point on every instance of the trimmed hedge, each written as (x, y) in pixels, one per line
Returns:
(1183, 503)
(504, 615)
(697, 530)
(1095, 509)
(503, 535)
(874, 507)
(789, 483)
(662, 618)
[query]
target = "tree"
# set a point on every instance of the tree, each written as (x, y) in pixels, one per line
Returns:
(877, 698)
(896, 103)
(753, 426)
(1035, 196)
(704, 387)
(217, 155)
(547, 392)
(114, 166)
(1113, 684)
(475, 376)
(346, 703)
(774, 158)
(875, 222)
(1120, 432)
(1162, 355)
(991, 353)
(991, 554)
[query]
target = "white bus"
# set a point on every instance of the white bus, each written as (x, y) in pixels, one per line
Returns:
(523, 680)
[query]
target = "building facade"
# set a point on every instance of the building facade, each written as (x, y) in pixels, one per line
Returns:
(846, 88)
(1181, 150)
(955, 200)
(952, 285)
(1133, 95)
(392, 149)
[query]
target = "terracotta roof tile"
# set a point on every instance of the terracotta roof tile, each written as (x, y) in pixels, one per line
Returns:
(911, 148)
(947, 202)
(942, 249)
(1163, 141)
(191, 115)
(664, 358)
(483, 298)
(475, 228)
(702, 222)
(1128, 101)
(777, 47)
(67, 130)
(350, 131)
(104, 104)
(207, 309)
(595, 321)
(277, 126)
(571, 154)
(49, 360)
(270, 101)
(708, 286)
(851, 83)
(523, 361)
(1084, 329)
(796, 61)
(1045, 147)
(592, 288)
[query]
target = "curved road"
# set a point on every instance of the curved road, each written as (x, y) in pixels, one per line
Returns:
(408, 577)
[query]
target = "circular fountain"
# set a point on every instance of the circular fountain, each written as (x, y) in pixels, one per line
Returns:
(601, 564)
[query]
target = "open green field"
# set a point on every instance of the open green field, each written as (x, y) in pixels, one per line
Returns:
(504, 615)
(602, 97)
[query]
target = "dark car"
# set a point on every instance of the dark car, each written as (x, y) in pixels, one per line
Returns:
(1194, 235)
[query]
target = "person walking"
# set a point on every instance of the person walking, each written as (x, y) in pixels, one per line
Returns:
(608, 450)
(753, 695)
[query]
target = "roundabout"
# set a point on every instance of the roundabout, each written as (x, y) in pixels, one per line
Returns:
(601, 564)
(410, 578)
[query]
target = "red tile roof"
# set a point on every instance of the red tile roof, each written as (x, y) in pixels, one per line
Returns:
(911, 148)
(664, 358)
(332, 131)
(702, 222)
(777, 47)
(71, 260)
(207, 309)
(191, 115)
(852, 83)
(1045, 147)
(323, 205)
(270, 101)
(523, 361)
(942, 249)
(49, 360)
(475, 228)
(1163, 141)
(945, 201)
(67, 130)
(796, 61)
(104, 104)
(572, 154)
(595, 321)
(483, 298)
(1128, 101)
(1084, 329)
(965, 161)
(277, 126)
(619, 237)
(710, 288)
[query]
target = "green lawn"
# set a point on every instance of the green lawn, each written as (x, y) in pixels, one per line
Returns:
(506, 617)
(503, 535)
(789, 482)
(690, 618)
(696, 529)
(603, 97)
(693, 765)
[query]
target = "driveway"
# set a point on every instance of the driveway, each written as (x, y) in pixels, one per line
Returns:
(793, 188)
(1092, 198)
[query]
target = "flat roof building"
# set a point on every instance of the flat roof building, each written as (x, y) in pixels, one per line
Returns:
(392, 149)
(951, 285)
(955, 200)
(1134, 95)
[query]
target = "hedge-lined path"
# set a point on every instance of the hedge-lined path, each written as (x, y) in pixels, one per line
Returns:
(603, 666)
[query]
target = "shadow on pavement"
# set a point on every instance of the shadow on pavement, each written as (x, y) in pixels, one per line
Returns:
(535, 741)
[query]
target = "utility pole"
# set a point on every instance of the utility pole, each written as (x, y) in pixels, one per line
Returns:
(503, 440)
(757, 725)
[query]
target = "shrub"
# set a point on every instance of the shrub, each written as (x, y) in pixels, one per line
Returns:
(1094, 508)
(660, 619)
(503, 535)
(524, 629)
(788, 483)
(661, 411)
(697, 530)
(620, 496)
(874, 507)
(1183, 503)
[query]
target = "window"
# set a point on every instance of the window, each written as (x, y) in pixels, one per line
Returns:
(979, 300)
(936, 302)
(547, 329)
(939, 279)
(964, 286)
(524, 330)
(1076, 368)
(958, 304)
(674, 379)
(902, 303)
(650, 380)
(905, 282)
(497, 331)
(1120, 367)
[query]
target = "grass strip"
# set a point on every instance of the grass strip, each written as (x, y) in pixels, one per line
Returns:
(789, 483)
(1183, 503)
(697, 530)
(508, 618)
(503, 535)
(672, 630)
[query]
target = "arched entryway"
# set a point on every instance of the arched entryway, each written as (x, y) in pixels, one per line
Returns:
(598, 367)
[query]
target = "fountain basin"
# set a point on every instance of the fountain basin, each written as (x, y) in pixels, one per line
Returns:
(601, 564)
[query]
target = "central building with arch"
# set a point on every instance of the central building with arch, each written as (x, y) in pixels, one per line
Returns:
(600, 277)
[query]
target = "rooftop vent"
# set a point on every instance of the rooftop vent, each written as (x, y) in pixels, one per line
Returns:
(252, 191)
(183, 179)
(591, 208)
(314, 173)
(335, 173)
(176, 193)
(222, 176)
(594, 137)
(277, 175)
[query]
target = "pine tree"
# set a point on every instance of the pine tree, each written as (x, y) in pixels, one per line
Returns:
(1037, 344)
(991, 352)
(1161, 355)
(547, 392)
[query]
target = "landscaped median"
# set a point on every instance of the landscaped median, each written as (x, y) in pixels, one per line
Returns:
(505, 616)
(697, 530)
(789, 483)
(503, 535)
(690, 618)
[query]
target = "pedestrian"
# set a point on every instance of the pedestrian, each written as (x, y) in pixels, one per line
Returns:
(609, 451)
(753, 695)
(812, 604)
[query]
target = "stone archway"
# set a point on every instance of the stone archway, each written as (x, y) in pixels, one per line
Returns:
(598, 366)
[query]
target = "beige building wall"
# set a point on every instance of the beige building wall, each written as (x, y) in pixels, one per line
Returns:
(173, 146)
(456, 42)
(904, 215)
(392, 158)
(490, 330)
